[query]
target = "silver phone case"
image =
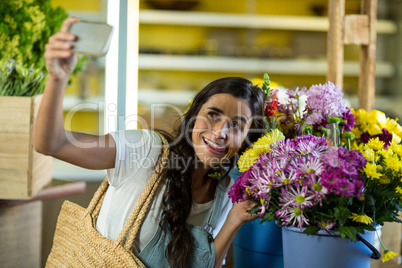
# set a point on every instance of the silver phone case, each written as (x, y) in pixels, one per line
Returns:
(93, 38)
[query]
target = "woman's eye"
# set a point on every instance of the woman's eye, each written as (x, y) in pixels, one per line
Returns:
(214, 116)
(236, 126)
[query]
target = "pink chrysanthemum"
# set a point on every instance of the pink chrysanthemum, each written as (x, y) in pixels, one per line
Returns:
(296, 196)
(292, 216)
(326, 225)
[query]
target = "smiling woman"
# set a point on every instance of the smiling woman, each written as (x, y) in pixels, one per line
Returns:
(222, 120)
(220, 128)
(191, 221)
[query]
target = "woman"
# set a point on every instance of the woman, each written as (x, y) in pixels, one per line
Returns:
(191, 222)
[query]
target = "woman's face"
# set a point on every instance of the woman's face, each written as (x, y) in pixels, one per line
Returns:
(220, 128)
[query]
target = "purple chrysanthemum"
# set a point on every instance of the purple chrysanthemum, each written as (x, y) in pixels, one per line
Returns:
(349, 120)
(349, 171)
(359, 186)
(237, 192)
(330, 178)
(331, 157)
(352, 157)
(386, 137)
(344, 187)
(323, 102)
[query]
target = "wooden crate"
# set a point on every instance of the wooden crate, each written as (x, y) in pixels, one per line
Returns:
(21, 235)
(23, 171)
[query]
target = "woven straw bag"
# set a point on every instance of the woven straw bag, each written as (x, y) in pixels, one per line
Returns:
(76, 242)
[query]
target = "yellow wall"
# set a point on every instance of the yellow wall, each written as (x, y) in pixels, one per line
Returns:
(80, 5)
(87, 121)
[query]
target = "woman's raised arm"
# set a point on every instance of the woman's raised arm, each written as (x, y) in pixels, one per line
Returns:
(49, 135)
(234, 221)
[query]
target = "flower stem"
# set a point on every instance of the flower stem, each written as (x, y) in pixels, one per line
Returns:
(379, 239)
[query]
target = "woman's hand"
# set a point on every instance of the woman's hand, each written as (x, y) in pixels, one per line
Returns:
(236, 218)
(60, 58)
(239, 214)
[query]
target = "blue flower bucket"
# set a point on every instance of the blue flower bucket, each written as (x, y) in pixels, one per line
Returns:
(257, 245)
(327, 250)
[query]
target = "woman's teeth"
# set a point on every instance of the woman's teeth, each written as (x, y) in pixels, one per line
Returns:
(214, 145)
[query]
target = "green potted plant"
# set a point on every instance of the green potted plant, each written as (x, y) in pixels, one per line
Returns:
(25, 27)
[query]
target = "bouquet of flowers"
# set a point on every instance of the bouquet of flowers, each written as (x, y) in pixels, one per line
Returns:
(310, 172)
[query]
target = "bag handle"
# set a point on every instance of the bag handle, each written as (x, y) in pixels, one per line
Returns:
(95, 204)
(136, 218)
(97, 200)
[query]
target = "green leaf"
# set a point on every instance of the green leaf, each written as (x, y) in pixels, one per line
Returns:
(254, 210)
(268, 216)
(341, 215)
(310, 230)
(348, 231)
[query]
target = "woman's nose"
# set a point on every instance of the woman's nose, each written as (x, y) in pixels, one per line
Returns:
(221, 129)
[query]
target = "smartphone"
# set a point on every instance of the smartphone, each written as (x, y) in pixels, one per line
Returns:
(93, 37)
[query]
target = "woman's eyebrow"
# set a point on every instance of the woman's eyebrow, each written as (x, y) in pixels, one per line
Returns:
(242, 118)
(216, 109)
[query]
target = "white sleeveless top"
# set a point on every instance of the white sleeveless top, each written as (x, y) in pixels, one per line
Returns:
(137, 152)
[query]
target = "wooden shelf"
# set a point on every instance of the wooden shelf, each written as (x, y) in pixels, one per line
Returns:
(251, 65)
(275, 22)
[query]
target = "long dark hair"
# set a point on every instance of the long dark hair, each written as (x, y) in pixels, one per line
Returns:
(177, 200)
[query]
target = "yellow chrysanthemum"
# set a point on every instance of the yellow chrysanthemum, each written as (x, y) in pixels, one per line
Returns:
(262, 145)
(358, 147)
(370, 155)
(361, 218)
(375, 144)
(398, 190)
(360, 119)
(384, 180)
(386, 153)
(259, 82)
(393, 163)
(393, 127)
(379, 168)
(396, 148)
(388, 255)
(246, 161)
(371, 171)
(376, 121)
(357, 132)
(286, 129)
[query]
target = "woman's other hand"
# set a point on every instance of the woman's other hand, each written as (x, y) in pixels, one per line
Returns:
(239, 214)
(59, 54)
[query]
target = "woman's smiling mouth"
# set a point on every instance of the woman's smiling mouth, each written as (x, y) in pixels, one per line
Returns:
(213, 147)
